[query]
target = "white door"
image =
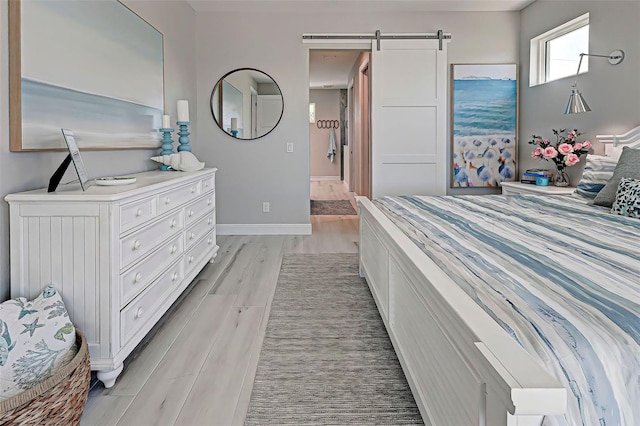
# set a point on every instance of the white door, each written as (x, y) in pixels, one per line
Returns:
(408, 117)
(269, 112)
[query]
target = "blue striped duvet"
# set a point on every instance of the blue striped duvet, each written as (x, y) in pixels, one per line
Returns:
(560, 276)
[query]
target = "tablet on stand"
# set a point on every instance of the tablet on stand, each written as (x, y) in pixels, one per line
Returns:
(74, 155)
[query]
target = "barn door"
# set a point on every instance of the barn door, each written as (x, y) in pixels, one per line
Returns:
(408, 117)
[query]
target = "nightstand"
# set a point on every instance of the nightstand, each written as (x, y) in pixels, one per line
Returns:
(515, 188)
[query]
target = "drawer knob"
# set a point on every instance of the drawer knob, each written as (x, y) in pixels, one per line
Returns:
(191, 212)
(138, 212)
(139, 313)
(137, 244)
(137, 278)
(174, 248)
(173, 223)
(174, 277)
(167, 200)
(209, 201)
(210, 241)
(191, 258)
(193, 189)
(210, 221)
(192, 235)
(207, 184)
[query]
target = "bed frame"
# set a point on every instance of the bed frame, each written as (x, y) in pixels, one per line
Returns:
(462, 367)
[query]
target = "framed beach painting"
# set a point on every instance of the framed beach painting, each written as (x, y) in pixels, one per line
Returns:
(94, 67)
(484, 117)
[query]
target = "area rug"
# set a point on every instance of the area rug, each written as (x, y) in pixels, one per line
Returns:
(332, 207)
(326, 356)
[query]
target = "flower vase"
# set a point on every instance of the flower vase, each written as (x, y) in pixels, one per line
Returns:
(561, 178)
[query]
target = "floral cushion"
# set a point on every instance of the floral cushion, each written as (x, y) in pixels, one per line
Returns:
(36, 339)
(597, 172)
(627, 201)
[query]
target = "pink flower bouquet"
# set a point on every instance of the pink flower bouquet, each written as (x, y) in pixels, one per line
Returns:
(564, 152)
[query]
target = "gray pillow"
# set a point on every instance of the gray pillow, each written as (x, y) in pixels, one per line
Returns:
(628, 167)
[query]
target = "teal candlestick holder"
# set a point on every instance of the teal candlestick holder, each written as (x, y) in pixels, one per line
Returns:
(167, 145)
(184, 136)
(234, 133)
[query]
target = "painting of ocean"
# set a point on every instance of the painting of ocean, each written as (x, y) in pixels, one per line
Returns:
(484, 125)
(98, 70)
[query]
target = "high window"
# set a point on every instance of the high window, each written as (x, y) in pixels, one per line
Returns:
(556, 53)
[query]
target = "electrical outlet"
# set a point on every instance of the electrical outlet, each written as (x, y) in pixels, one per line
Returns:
(289, 147)
(265, 207)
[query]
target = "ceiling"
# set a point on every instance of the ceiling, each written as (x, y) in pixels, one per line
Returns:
(330, 70)
(316, 6)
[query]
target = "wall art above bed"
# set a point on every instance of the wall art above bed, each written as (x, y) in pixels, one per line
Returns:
(94, 67)
(484, 117)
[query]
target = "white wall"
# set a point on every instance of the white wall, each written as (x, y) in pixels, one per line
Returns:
(327, 108)
(253, 172)
(23, 171)
(613, 92)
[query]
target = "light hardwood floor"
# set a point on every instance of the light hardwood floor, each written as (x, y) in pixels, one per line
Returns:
(199, 367)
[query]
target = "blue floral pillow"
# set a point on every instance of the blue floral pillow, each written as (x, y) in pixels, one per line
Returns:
(627, 201)
(36, 339)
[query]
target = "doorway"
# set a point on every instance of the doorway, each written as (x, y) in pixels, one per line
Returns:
(339, 94)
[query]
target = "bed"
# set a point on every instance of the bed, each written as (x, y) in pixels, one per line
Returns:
(471, 358)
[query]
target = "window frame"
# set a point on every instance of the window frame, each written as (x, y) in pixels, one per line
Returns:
(539, 55)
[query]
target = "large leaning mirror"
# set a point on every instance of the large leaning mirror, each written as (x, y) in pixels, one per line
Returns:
(247, 104)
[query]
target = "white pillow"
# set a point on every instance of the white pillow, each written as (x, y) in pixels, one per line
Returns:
(36, 339)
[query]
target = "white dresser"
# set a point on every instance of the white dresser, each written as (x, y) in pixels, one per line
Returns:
(119, 255)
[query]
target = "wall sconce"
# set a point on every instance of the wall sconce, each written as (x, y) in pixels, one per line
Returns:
(312, 112)
(576, 103)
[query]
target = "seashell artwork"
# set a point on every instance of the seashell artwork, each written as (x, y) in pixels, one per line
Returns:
(183, 161)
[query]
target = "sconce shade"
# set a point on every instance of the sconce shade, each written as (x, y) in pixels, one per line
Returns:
(576, 104)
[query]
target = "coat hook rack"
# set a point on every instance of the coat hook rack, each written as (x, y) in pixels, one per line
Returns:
(328, 124)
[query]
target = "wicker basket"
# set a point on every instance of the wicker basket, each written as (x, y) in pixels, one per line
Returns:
(58, 400)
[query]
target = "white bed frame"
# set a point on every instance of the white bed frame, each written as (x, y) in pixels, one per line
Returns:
(462, 367)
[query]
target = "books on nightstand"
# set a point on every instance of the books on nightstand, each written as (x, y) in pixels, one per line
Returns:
(531, 175)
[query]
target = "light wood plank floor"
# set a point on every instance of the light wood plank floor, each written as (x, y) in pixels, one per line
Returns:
(199, 367)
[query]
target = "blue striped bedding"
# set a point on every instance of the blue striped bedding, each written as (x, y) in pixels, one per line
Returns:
(560, 276)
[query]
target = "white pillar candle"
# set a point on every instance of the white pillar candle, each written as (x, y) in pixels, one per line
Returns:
(166, 122)
(183, 111)
(234, 124)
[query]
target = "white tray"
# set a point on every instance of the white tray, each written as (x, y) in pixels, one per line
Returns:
(114, 181)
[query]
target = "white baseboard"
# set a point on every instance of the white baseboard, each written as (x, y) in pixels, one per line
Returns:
(263, 229)
(325, 177)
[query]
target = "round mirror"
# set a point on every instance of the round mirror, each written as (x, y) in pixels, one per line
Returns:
(247, 104)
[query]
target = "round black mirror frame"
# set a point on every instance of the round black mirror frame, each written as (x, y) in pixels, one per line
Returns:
(216, 119)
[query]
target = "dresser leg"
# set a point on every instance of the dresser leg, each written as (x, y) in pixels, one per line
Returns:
(108, 377)
(213, 257)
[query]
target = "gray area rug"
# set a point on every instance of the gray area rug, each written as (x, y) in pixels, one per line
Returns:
(326, 356)
(332, 207)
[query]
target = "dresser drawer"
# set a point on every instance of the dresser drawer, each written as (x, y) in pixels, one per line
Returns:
(203, 226)
(208, 184)
(195, 254)
(140, 311)
(138, 212)
(141, 274)
(146, 240)
(178, 196)
(195, 210)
